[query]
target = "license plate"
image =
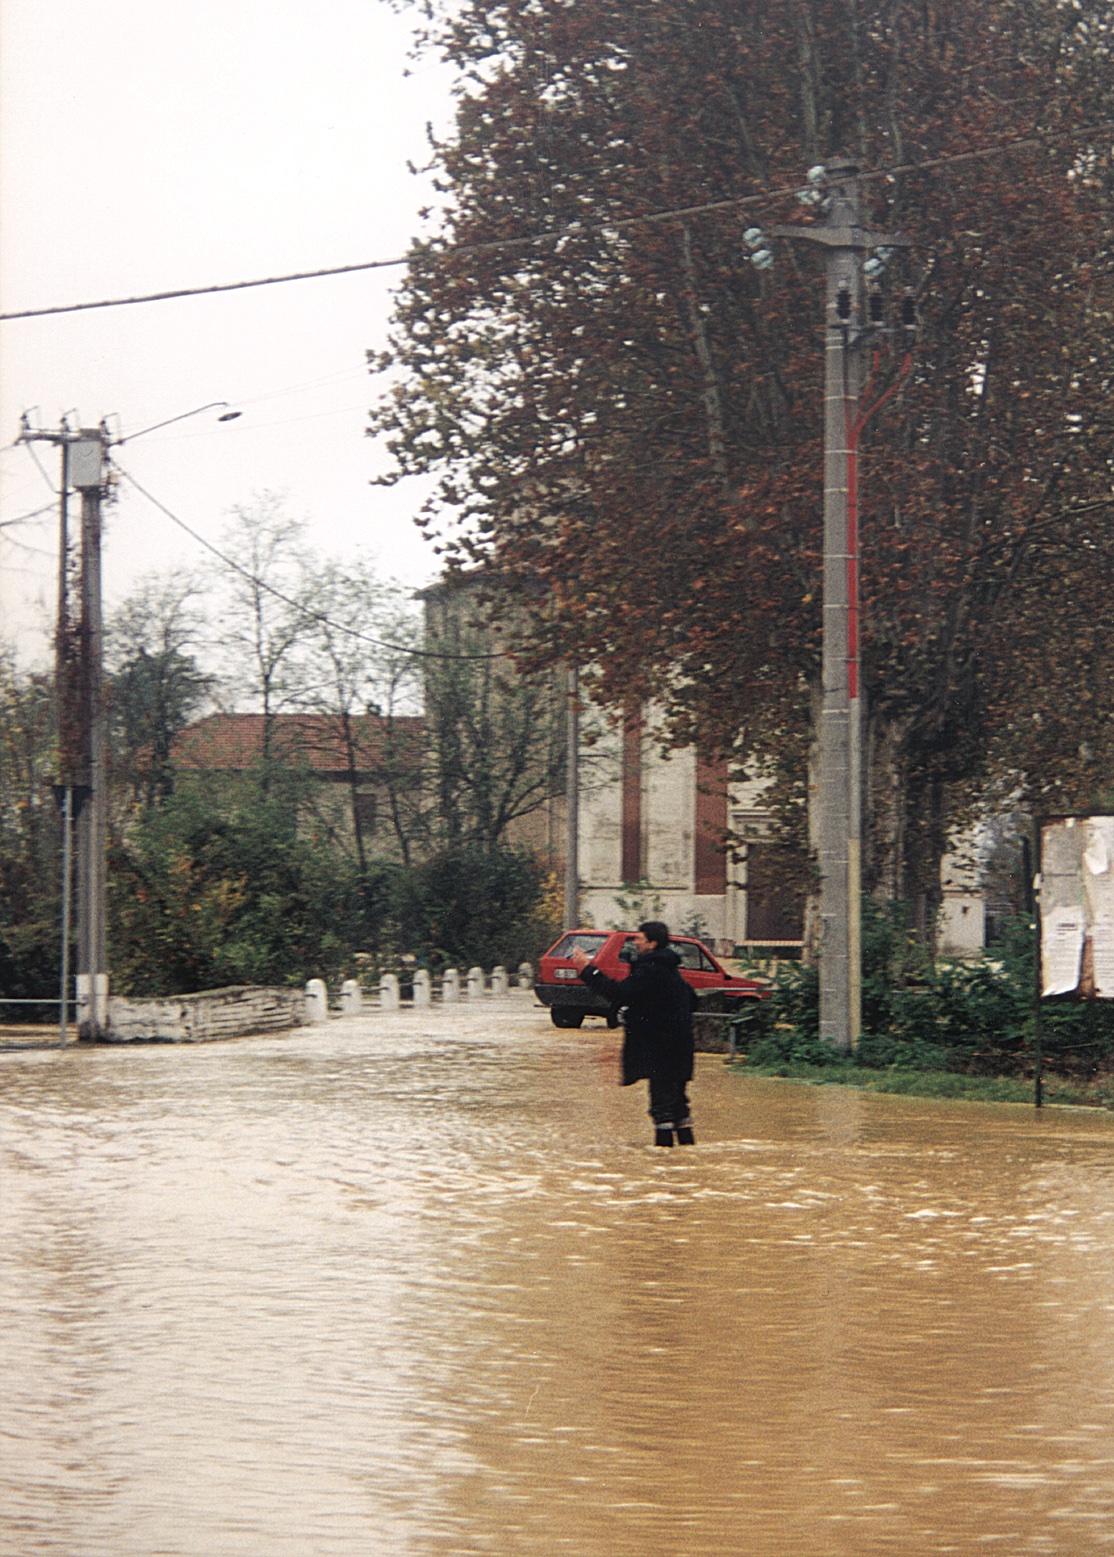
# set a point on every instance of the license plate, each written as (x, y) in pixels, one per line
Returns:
(564, 973)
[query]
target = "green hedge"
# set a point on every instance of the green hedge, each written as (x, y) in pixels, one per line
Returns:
(975, 1017)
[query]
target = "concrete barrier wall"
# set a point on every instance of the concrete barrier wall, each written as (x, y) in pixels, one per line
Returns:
(243, 1010)
(203, 1018)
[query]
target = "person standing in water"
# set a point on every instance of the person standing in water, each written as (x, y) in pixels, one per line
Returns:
(658, 1045)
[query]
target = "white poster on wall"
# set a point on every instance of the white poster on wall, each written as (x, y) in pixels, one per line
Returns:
(1098, 898)
(1077, 907)
(1062, 950)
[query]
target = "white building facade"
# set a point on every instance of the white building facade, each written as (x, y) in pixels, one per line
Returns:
(654, 831)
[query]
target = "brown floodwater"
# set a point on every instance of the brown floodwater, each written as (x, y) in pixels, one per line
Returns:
(417, 1284)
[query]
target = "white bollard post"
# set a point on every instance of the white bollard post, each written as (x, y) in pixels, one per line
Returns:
(450, 987)
(423, 987)
(525, 976)
(351, 1001)
(500, 983)
(475, 983)
(389, 997)
(317, 1001)
(100, 1000)
(84, 986)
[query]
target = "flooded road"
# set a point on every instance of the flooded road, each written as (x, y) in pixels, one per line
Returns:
(416, 1284)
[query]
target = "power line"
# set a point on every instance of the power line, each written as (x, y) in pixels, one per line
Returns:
(570, 230)
(297, 605)
(30, 447)
(36, 551)
(47, 508)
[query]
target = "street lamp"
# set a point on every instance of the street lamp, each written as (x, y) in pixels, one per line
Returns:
(228, 416)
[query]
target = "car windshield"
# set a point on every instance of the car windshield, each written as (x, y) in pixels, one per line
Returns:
(585, 943)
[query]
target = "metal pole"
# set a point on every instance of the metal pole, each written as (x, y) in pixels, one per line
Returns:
(572, 804)
(67, 868)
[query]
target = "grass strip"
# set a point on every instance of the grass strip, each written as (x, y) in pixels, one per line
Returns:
(943, 1084)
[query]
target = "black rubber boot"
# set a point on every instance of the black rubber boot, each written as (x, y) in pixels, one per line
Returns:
(663, 1135)
(685, 1136)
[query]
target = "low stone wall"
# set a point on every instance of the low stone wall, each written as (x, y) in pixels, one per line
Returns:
(203, 1018)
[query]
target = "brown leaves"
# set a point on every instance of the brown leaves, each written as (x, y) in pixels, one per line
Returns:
(630, 422)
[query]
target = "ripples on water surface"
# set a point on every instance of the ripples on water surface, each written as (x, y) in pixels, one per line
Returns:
(418, 1285)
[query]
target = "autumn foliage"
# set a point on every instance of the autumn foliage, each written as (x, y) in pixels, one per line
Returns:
(627, 415)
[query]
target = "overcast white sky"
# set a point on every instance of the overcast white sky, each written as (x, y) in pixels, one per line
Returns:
(147, 147)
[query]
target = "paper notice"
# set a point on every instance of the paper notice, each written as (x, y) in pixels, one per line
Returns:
(1098, 852)
(1061, 950)
(1102, 955)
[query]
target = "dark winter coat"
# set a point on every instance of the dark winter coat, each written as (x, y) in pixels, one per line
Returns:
(658, 1016)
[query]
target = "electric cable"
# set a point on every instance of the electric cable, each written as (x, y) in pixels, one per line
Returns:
(570, 230)
(47, 508)
(297, 605)
(42, 468)
(309, 383)
(36, 551)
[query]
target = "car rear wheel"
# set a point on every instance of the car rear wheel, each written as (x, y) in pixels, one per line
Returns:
(566, 1016)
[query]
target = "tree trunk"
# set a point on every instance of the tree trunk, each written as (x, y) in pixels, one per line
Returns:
(810, 934)
(926, 841)
(905, 825)
(884, 808)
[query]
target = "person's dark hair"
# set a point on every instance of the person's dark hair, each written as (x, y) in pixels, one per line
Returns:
(655, 931)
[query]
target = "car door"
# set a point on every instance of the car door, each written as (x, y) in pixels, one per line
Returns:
(697, 968)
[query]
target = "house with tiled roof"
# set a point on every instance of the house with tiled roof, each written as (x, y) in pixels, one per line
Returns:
(359, 768)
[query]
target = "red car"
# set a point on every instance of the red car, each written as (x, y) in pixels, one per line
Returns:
(559, 986)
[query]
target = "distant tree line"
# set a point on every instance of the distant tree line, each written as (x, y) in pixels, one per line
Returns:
(219, 878)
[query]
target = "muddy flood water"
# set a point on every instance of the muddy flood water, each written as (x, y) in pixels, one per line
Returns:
(417, 1284)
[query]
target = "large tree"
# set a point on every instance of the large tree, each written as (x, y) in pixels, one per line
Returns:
(495, 738)
(363, 658)
(156, 683)
(626, 414)
(30, 836)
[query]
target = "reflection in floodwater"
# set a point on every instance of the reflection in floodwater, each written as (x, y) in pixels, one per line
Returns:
(417, 1285)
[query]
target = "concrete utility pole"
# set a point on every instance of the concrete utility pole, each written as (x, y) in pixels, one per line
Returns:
(572, 803)
(82, 790)
(87, 475)
(82, 745)
(840, 744)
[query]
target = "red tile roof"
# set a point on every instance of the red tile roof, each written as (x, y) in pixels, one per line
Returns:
(232, 743)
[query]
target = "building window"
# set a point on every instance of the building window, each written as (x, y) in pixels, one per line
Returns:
(710, 830)
(366, 811)
(777, 886)
(631, 863)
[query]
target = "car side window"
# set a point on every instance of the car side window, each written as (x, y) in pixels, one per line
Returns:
(689, 954)
(586, 943)
(706, 963)
(627, 952)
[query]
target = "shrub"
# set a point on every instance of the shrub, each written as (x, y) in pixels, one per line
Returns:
(201, 898)
(475, 905)
(974, 1016)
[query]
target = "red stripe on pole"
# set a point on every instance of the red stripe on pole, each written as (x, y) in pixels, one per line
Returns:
(852, 566)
